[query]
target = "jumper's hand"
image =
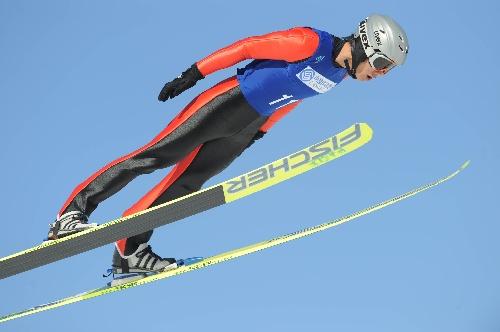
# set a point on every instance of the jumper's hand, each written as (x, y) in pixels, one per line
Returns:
(185, 81)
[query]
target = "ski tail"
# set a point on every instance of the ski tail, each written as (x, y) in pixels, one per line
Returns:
(234, 253)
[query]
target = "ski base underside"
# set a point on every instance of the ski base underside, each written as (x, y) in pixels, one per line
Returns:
(241, 186)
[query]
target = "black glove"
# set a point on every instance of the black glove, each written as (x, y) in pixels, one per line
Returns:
(257, 136)
(186, 80)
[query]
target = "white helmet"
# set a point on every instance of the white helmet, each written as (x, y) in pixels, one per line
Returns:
(384, 41)
(380, 39)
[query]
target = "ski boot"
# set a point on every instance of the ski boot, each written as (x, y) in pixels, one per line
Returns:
(140, 264)
(69, 223)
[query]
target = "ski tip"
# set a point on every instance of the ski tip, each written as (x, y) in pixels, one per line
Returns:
(465, 165)
(365, 127)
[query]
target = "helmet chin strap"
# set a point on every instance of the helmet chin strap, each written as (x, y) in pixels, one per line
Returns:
(357, 54)
(350, 71)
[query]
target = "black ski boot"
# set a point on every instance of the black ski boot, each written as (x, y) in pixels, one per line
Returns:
(138, 265)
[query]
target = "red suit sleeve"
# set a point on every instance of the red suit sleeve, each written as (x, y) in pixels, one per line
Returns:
(290, 45)
(276, 116)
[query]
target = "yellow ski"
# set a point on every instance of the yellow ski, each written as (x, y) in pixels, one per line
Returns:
(230, 254)
(266, 176)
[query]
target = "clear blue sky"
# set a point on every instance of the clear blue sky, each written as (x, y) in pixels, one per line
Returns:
(78, 88)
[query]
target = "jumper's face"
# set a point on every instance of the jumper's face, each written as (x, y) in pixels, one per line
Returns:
(365, 72)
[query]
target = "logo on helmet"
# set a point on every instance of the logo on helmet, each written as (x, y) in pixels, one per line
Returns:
(377, 36)
(362, 34)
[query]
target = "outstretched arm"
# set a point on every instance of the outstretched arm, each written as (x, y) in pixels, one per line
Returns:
(290, 45)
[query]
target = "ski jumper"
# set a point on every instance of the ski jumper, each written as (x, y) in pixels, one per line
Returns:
(221, 122)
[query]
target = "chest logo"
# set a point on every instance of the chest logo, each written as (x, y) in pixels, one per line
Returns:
(315, 80)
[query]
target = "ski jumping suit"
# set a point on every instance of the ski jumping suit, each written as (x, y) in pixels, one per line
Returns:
(221, 122)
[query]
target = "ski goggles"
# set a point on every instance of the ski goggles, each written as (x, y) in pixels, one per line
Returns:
(380, 61)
